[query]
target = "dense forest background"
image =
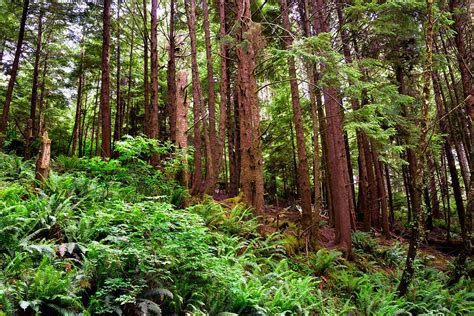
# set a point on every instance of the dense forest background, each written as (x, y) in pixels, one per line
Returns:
(293, 125)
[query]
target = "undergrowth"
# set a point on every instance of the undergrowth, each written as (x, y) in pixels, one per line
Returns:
(112, 238)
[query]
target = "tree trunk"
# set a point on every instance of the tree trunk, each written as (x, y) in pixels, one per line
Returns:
(146, 88)
(182, 124)
(304, 189)
(31, 133)
(251, 170)
(154, 129)
(171, 76)
(77, 120)
(119, 103)
(105, 86)
(191, 17)
(14, 72)
(211, 176)
(337, 159)
(44, 158)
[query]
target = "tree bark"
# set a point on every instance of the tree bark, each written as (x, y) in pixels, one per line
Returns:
(77, 120)
(105, 86)
(14, 72)
(119, 101)
(197, 178)
(304, 189)
(44, 158)
(251, 169)
(171, 75)
(182, 124)
(212, 170)
(154, 129)
(146, 88)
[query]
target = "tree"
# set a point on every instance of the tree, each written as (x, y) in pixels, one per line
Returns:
(154, 129)
(105, 86)
(14, 72)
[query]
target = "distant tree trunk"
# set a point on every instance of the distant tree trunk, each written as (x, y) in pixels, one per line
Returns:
(14, 72)
(197, 179)
(233, 140)
(212, 171)
(31, 133)
(182, 123)
(105, 86)
(224, 86)
(130, 127)
(304, 189)
(390, 196)
(154, 129)
(119, 103)
(37, 128)
(146, 121)
(433, 191)
(82, 126)
(171, 75)
(337, 159)
(94, 117)
(77, 120)
(417, 165)
(251, 171)
(381, 193)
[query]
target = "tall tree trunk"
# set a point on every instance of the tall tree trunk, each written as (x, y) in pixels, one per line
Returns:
(304, 188)
(154, 129)
(14, 72)
(251, 171)
(171, 75)
(191, 17)
(417, 168)
(337, 159)
(105, 86)
(212, 171)
(146, 89)
(77, 120)
(223, 87)
(94, 117)
(129, 110)
(31, 133)
(119, 103)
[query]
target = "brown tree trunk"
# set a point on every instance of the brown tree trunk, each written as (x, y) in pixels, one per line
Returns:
(77, 120)
(251, 171)
(197, 178)
(14, 72)
(31, 133)
(94, 118)
(130, 127)
(211, 176)
(105, 86)
(154, 129)
(224, 87)
(182, 124)
(304, 189)
(146, 88)
(171, 76)
(337, 159)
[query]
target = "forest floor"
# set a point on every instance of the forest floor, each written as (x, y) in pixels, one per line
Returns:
(112, 238)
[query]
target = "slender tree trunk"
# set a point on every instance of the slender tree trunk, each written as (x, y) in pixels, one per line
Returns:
(31, 133)
(304, 188)
(77, 121)
(94, 117)
(105, 86)
(191, 17)
(119, 103)
(146, 121)
(129, 111)
(14, 72)
(211, 176)
(154, 129)
(251, 171)
(171, 75)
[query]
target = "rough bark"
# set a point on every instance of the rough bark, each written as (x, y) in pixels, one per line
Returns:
(77, 120)
(197, 178)
(171, 75)
(154, 129)
(251, 163)
(182, 124)
(146, 84)
(44, 158)
(105, 86)
(118, 94)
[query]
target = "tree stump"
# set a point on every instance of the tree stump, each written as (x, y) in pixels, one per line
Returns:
(44, 158)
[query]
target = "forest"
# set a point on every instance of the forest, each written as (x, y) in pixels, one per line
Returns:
(236, 157)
